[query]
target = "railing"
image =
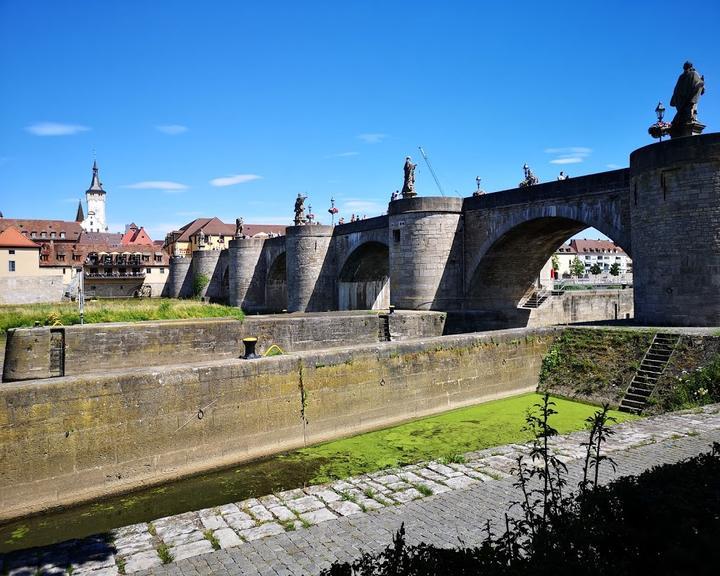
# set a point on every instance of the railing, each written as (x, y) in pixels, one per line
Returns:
(115, 275)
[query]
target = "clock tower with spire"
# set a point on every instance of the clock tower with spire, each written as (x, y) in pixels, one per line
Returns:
(95, 196)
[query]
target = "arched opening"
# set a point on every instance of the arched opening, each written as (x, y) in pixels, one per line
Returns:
(513, 280)
(364, 282)
(276, 298)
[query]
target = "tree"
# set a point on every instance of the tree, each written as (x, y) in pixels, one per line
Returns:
(577, 268)
(595, 269)
(615, 269)
(555, 261)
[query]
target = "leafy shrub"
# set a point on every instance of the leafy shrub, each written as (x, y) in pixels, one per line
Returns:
(696, 388)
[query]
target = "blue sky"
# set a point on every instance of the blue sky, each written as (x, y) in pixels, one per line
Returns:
(222, 108)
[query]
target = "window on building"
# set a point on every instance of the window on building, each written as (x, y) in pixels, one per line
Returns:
(396, 235)
(62, 234)
(162, 270)
(221, 238)
(52, 234)
(11, 265)
(11, 251)
(158, 258)
(146, 258)
(61, 257)
(43, 257)
(76, 257)
(33, 234)
(43, 234)
(148, 270)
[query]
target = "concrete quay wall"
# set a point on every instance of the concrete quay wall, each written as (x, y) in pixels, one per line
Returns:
(44, 352)
(66, 439)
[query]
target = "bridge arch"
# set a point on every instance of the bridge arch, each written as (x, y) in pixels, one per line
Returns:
(508, 263)
(276, 294)
(364, 279)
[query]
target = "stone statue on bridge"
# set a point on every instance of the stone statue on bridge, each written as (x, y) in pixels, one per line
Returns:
(239, 227)
(530, 178)
(300, 210)
(688, 89)
(408, 189)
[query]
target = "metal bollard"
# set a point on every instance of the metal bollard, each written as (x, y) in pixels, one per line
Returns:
(250, 348)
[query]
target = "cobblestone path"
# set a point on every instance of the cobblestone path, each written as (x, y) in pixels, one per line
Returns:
(304, 531)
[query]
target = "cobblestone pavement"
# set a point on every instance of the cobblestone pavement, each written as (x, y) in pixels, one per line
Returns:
(303, 531)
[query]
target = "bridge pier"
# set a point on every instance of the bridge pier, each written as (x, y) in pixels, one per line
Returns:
(425, 240)
(675, 230)
(311, 269)
(246, 286)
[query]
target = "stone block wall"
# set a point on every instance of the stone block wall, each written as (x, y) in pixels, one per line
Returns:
(425, 246)
(123, 346)
(67, 439)
(584, 306)
(31, 289)
(675, 214)
(311, 269)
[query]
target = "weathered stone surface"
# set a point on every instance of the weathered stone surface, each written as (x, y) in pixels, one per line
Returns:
(317, 516)
(142, 561)
(282, 513)
(344, 508)
(260, 513)
(305, 504)
(239, 521)
(191, 549)
(262, 531)
(227, 538)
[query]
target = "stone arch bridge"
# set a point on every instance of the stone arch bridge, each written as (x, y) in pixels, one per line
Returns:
(483, 253)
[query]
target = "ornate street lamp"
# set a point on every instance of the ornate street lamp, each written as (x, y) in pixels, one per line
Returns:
(660, 128)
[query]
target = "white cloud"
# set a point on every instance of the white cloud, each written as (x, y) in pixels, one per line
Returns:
(171, 129)
(363, 207)
(570, 160)
(569, 155)
(55, 129)
(372, 137)
(343, 155)
(235, 179)
(164, 185)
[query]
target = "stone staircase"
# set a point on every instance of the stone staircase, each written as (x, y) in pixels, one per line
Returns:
(652, 366)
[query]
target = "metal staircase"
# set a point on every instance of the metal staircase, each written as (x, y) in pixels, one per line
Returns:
(652, 366)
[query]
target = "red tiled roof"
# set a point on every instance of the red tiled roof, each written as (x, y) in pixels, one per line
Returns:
(72, 230)
(215, 227)
(596, 246)
(135, 236)
(12, 238)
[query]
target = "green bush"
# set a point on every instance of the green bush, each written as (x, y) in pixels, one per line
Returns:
(696, 388)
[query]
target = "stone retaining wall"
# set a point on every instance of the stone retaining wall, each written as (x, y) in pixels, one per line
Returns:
(119, 346)
(72, 438)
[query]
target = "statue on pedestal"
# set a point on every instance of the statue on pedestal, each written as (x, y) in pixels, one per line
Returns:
(408, 189)
(689, 87)
(530, 178)
(300, 210)
(239, 227)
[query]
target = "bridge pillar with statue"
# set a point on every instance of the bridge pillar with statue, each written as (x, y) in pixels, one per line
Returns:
(675, 229)
(311, 269)
(425, 251)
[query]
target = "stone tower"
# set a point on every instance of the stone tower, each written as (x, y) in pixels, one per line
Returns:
(95, 196)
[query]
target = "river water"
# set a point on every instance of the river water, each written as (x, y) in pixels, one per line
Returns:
(249, 480)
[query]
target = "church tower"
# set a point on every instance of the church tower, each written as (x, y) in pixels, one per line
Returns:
(95, 196)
